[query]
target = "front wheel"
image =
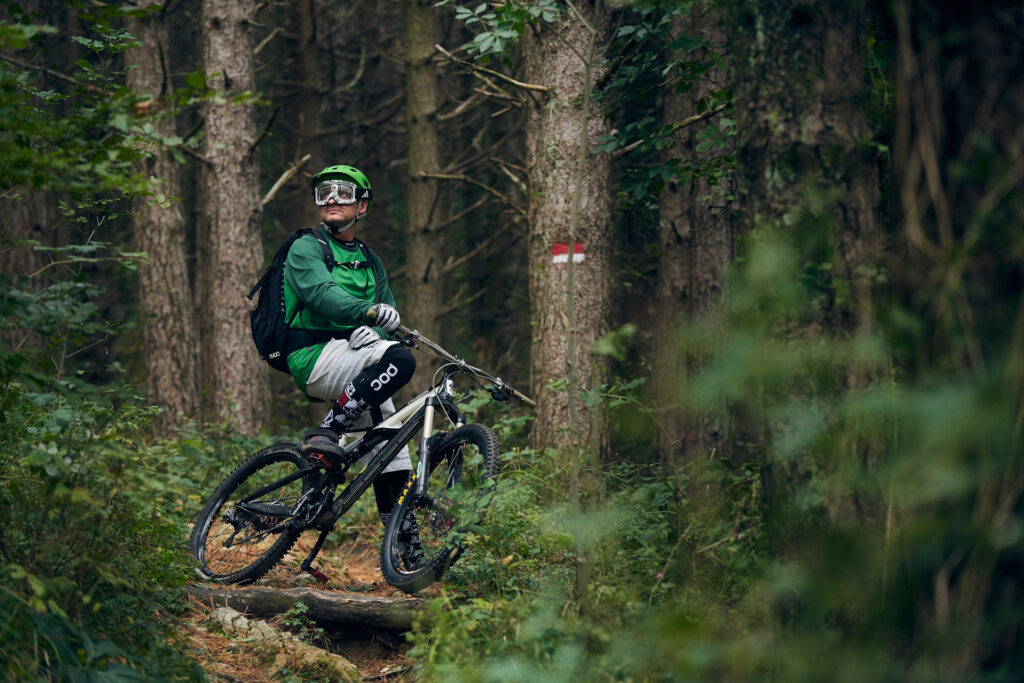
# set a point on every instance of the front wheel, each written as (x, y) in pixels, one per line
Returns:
(246, 526)
(424, 532)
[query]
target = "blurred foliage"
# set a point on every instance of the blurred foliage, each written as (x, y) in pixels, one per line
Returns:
(875, 530)
(890, 550)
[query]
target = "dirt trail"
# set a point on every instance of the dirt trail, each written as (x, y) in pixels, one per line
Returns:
(350, 568)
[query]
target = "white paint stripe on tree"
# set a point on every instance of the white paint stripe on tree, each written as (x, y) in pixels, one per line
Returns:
(560, 252)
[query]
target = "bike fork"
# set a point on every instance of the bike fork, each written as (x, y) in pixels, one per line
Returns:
(429, 409)
(423, 466)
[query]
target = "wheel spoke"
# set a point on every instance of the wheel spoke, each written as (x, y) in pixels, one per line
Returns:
(252, 519)
(456, 490)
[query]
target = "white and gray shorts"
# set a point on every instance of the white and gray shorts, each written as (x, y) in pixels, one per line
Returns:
(338, 365)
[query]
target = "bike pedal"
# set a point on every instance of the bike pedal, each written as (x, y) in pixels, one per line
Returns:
(317, 574)
(321, 459)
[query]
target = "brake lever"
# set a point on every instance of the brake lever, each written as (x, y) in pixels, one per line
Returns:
(405, 336)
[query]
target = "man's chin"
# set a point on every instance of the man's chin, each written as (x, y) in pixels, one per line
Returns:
(338, 225)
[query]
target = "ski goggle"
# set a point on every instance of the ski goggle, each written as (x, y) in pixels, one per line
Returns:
(341, 191)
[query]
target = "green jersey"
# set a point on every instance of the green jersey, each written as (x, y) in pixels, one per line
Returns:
(329, 300)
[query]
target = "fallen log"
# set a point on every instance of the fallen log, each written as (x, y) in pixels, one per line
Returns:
(326, 608)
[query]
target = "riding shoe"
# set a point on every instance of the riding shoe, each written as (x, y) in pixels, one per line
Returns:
(322, 442)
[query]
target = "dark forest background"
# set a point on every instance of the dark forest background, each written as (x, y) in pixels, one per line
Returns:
(780, 399)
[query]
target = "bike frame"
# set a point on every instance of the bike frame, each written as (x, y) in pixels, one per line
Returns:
(398, 429)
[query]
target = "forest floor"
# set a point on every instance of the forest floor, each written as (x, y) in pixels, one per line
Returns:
(351, 567)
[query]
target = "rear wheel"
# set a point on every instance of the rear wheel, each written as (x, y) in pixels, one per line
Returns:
(424, 535)
(245, 528)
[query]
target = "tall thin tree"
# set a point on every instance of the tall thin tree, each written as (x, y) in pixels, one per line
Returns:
(27, 215)
(230, 216)
(425, 247)
(165, 292)
(696, 237)
(569, 218)
(303, 114)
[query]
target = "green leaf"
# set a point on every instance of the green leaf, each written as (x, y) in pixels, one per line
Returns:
(196, 80)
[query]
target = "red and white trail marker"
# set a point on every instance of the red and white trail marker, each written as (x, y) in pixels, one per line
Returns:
(560, 252)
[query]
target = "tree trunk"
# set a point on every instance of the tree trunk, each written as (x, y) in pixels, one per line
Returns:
(800, 93)
(165, 293)
(30, 217)
(802, 166)
(696, 242)
(305, 119)
(569, 314)
(325, 607)
(28, 214)
(230, 219)
(426, 243)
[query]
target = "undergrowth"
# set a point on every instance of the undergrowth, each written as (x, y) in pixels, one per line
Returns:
(510, 609)
(93, 510)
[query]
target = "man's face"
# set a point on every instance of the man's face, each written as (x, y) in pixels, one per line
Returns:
(336, 215)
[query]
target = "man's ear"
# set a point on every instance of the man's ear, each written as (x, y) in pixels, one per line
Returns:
(362, 206)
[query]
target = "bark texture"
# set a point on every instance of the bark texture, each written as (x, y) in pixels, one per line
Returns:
(554, 57)
(165, 291)
(803, 167)
(234, 377)
(426, 243)
(800, 105)
(325, 607)
(28, 217)
(304, 116)
(696, 242)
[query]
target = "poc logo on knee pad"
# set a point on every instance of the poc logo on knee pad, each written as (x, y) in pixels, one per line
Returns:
(384, 378)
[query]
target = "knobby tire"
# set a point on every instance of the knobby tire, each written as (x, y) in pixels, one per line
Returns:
(236, 546)
(453, 461)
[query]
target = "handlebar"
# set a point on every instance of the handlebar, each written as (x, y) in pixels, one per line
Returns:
(500, 391)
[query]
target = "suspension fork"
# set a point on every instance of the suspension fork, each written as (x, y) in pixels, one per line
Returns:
(440, 399)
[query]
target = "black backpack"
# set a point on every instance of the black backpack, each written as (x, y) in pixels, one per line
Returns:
(270, 329)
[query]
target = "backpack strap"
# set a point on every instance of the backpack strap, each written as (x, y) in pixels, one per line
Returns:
(328, 253)
(366, 251)
(259, 284)
(298, 338)
(328, 261)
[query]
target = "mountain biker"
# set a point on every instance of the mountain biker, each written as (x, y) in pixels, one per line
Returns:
(339, 356)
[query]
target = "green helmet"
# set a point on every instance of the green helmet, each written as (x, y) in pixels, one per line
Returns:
(342, 172)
